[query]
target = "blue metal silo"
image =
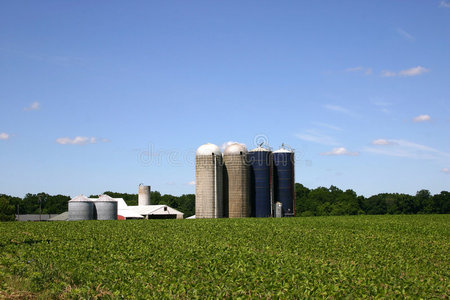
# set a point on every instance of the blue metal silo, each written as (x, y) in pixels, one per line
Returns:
(284, 180)
(260, 160)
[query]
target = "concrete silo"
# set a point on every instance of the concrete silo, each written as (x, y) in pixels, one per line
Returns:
(106, 208)
(208, 182)
(144, 195)
(284, 180)
(81, 208)
(237, 174)
(260, 160)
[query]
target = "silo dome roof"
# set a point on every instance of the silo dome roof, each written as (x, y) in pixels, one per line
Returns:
(105, 198)
(80, 198)
(208, 149)
(284, 149)
(235, 149)
(260, 149)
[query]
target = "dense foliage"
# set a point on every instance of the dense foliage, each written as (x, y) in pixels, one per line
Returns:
(308, 202)
(353, 257)
(333, 201)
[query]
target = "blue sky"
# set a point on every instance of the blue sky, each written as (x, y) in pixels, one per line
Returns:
(104, 95)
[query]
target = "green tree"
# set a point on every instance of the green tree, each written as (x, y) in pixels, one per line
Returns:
(7, 210)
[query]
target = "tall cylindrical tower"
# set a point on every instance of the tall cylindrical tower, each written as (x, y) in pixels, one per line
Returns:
(284, 179)
(208, 182)
(237, 172)
(260, 160)
(144, 195)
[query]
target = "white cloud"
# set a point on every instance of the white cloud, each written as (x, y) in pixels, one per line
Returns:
(383, 142)
(405, 34)
(34, 106)
(445, 170)
(79, 140)
(422, 118)
(226, 144)
(405, 73)
(316, 137)
(340, 151)
(388, 73)
(445, 4)
(4, 136)
(191, 182)
(413, 71)
(366, 71)
(407, 149)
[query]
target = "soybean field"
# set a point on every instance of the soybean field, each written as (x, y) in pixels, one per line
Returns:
(310, 257)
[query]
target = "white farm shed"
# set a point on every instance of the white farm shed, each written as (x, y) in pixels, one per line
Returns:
(146, 211)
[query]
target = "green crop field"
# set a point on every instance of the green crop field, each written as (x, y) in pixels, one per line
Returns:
(355, 257)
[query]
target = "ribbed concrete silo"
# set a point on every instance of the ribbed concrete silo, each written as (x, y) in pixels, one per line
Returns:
(106, 208)
(284, 179)
(81, 208)
(238, 181)
(144, 195)
(208, 182)
(260, 160)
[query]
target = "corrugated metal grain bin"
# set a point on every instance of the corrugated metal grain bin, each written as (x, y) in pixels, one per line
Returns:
(238, 181)
(284, 180)
(208, 182)
(106, 208)
(81, 208)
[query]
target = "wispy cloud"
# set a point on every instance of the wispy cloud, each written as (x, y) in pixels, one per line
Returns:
(404, 148)
(383, 142)
(340, 109)
(336, 108)
(4, 136)
(329, 126)
(80, 140)
(405, 34)
(359, 69)
(34, 106)
(445, 170)
(405, 73)
(383, 106)
(316, 137)
(422, 118)
(445, 4)
(340, 151)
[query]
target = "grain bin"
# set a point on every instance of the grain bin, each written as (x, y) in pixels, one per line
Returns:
(237, 173)
(284, 179)
(106, 208)
(208, 182)
(144, 195)
(81, 208)
(260, 160)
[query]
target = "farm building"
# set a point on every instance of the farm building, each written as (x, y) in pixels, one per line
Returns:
(107, 208)
(146, 211)
(35, 217)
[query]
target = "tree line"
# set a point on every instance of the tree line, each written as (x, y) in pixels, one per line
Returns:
(320, 201)
(333, 201)
(49, 204)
